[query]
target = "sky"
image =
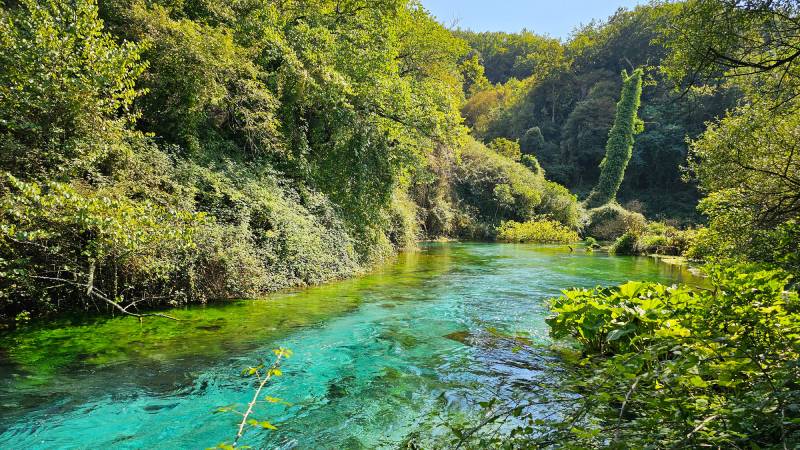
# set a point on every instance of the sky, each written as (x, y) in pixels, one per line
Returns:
(556, 18)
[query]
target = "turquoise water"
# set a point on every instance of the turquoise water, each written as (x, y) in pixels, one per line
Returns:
(377, 361)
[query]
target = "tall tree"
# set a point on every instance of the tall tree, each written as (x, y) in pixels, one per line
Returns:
(737, 40)
(620, 141)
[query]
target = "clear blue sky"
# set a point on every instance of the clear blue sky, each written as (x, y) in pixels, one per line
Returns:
(556, 18)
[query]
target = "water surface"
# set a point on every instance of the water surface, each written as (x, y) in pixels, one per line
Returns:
(377, 360)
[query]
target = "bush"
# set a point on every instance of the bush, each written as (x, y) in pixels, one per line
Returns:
(559, 204)
(508, 148)
(491, 188)
(779, 247)
(664, 362)
(532, 164)
(541, 231)
(611, 221)
(662, 239)
(625, 244)
(296, 233)
(403, 230)
(60, 244)
(657, 238)
(497, 187)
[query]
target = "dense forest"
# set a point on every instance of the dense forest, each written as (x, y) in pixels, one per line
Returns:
(164, 152)
(169, 152)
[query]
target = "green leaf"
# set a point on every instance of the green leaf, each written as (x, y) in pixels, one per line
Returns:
(267, 425)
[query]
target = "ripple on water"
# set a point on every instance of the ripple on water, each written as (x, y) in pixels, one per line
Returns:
(377, 360)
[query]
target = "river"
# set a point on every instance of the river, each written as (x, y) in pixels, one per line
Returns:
(377, 359)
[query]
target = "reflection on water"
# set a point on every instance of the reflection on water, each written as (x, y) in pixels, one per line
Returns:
(376, 358)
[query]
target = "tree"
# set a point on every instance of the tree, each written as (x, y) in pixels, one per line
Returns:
(746, 163)
(620, 141)
(737, 41)
(506, 147)
(474, 78)
(66, 87)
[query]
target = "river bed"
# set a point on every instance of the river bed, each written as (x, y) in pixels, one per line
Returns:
(377, 360)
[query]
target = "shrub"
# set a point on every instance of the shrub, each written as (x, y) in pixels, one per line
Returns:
(506, 147)
(492, 188)
(497, 187)
(625, 244)
(611, 221)
(61, 244)
(532, 164)
(559, 204)
(652, 243)
(65, 88)
(662, 239)
(541, 231)
(656, 238)
(779, 247)
(403, 230)
(661, 363)
(297, 234)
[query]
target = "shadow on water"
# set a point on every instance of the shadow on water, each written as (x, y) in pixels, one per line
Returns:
(375, 357)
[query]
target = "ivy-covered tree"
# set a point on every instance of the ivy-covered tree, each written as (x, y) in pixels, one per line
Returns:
(620, 141)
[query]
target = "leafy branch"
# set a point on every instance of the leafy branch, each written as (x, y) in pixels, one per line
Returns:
(263, 374)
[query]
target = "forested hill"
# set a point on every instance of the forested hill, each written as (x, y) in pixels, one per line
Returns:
(558, 100)
(171, 151)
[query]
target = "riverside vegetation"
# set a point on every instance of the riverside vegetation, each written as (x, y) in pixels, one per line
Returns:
(164, 153)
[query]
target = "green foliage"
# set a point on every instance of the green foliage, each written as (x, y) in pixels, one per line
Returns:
(749, 159)
(730, 235)
(532, 164)
(620, 141)
(293, 235)
(682, 366)
(506, 55)
(560, 204)
(536, 231)
(662, 239)
(611, 221)
(59, 242)
(66, 87)
(493, 188)
(750, 44)
(474, 75)
(746, 161)
(431, 189)
(655, 239)
(292, 129)
(509, 149)
(478, 110)
(496, 186)
(624, 245)
(564, 117)
(585, 131)
(404, 230)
